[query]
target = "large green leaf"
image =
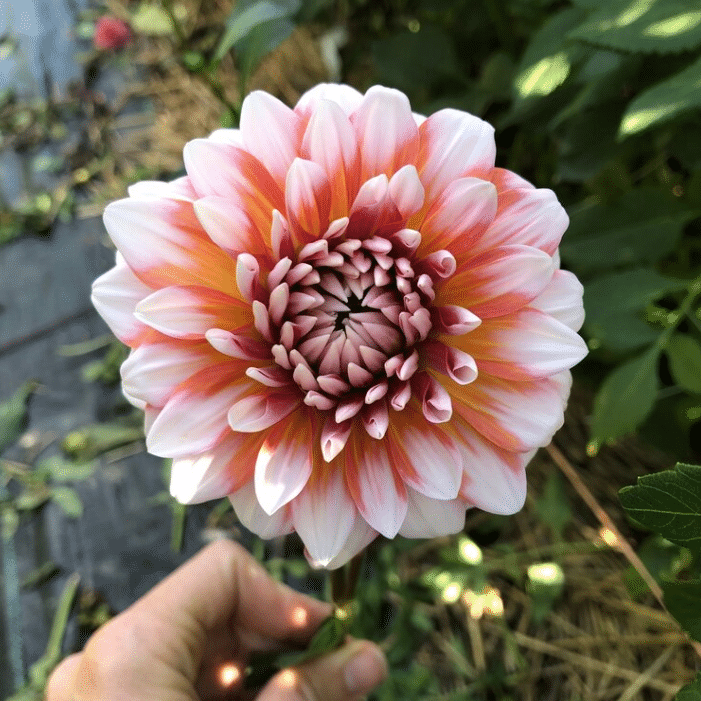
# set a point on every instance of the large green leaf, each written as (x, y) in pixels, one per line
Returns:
(668, 503)
(625, 398)
(653, 26)
(663, 101)
(643, 226)
(614, 304)
(684, 354)
(547, 60)
(683, 601)
(249, 16)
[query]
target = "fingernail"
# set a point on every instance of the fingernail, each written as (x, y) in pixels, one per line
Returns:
(365, 671)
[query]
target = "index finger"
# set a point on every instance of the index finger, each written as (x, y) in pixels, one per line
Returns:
(224, 586)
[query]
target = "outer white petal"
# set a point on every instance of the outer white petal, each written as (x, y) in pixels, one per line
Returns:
(434, 463)
(360, 537)
(378, 491)
(344, 96)
(115, 295)
(193, 421)
(562, 299)
(495, 479)
(431, 518)
(386, 131)
(144, 232)
(282, 469)
(211, 475)
(255, 519)
(456, 144)
(324, 515)
(271, 132)
(153, 370)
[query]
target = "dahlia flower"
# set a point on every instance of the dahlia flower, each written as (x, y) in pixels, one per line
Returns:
(345, 318)
(111, 33)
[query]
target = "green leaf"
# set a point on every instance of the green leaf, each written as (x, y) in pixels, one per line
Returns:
(625, 398)
(614, 305)
(691, 692)
(643, 226)
(260, 42)
(663, 101)
(152, 20)
(68, 500)
(651, 26)
(668, 503)
(547, 60)
(59, 469)
(250, 15)
(328, 637)
(684, 354)
(13, 415)
(683, 601)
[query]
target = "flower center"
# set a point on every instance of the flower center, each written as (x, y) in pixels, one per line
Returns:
(346, 318)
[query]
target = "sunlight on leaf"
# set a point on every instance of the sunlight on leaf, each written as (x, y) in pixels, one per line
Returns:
(674, 25)
(664, 100)
(543, 77)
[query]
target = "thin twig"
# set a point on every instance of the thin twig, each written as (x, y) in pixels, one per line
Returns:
(607, 522)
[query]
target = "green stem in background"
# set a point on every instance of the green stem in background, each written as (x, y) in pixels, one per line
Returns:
(682, 311)
(179, 31)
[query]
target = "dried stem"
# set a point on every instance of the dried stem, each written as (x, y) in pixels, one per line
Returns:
(607, 522)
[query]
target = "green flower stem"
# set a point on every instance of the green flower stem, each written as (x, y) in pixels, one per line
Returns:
(682, 311)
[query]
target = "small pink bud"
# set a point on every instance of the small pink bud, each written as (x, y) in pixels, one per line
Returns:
(111, 33)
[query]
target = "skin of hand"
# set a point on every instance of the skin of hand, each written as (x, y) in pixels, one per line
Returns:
(189, 637)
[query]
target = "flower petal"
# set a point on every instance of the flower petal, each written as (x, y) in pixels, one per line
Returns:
(194, 419)
(271, 131)
(115, 295)
(517, 416)
(376, 487)
(217, 473)
(425, 455)
(562, 299)
(525, 345)
(260, 411)
(229, 225)
(386, 131)
(324, 513)
(153, 370)
(432, 518)
(189, 312)
(453, 144)
(458, 217)
(164, 244)
(495, 479)
(329, 141)
(228, 171)
(347, 98)
(253, 517)
(360, 537)
(406, 191)
(283, 465)
(527, 216)
(308, 200)
(500, 281)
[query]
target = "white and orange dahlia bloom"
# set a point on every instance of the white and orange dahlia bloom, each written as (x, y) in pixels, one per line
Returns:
(345, 318)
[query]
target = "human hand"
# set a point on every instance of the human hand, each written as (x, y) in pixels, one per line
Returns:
(188, 639)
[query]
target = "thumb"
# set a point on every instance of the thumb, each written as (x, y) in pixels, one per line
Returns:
(347, 673)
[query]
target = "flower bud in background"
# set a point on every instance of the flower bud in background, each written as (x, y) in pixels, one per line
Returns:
(111, 34)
